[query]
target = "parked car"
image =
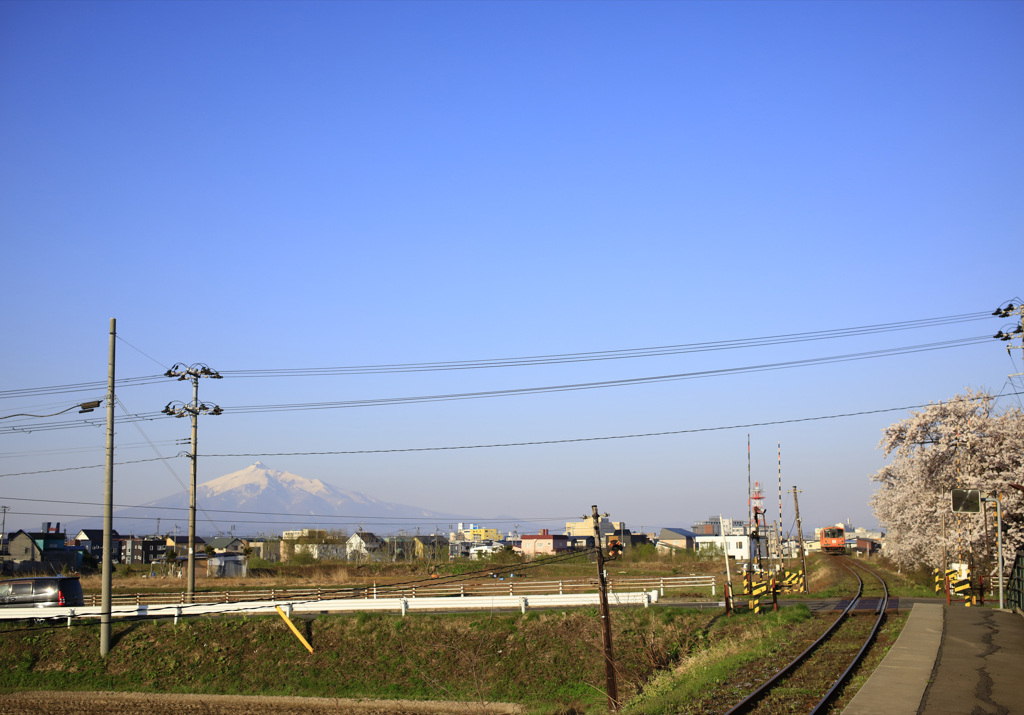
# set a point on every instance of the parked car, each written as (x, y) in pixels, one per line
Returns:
(41, 592)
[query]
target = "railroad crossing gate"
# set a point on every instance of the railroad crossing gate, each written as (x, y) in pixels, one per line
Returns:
(940, 578)
(756, 589)
(792, 581)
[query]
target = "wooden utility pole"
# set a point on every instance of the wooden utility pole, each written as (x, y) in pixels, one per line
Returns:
(108, 505)
(606, 621)
(800, 538)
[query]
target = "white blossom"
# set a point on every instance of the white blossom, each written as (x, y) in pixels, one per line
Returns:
(962, 443)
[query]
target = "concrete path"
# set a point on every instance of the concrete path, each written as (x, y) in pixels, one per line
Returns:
(981, 664)
(898, 684)
(949, 660)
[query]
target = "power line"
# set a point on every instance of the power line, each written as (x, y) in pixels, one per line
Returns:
(695, 430)
(767, 367)
(629, 353)
(419, 399)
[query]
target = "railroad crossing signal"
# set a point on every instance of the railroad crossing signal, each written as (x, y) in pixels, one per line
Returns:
(966, 501)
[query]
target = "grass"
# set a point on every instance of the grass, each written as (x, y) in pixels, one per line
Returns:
(695, 682)
(549, 661)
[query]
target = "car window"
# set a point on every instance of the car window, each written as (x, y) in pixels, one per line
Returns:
(5, 590)
(21, 589)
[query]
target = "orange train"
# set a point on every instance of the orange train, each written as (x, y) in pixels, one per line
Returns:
(833, 539)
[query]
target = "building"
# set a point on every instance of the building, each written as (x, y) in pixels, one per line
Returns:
(431, 547)
(180, 544)
(586, 527)
(363, 546)
(92, 541)
(144, 549)
(675, 539)
(543, 544)
(736, 546)
(304, 534)
(716, 526)
(226, 545)
(46, 546)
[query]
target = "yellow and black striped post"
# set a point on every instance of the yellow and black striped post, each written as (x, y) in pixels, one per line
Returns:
(962, 588)
(757, 589)
(793, 581)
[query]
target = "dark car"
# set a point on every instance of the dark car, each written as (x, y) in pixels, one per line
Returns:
(41, 592)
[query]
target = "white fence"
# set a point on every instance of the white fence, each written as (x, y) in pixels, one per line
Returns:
(699, 586)
(338, 605)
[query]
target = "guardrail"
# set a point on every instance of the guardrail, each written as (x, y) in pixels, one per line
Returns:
(337, 605)
(493, 587)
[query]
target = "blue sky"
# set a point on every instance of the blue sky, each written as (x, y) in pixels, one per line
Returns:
(291, 185)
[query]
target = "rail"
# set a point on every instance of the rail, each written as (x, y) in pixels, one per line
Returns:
(750, 702)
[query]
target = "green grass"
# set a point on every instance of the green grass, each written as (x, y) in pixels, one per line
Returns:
(696, 681)
(548, 661)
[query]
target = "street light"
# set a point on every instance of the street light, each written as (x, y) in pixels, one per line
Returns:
(193, 410)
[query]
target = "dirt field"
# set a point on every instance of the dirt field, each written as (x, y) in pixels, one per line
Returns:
(38, 703)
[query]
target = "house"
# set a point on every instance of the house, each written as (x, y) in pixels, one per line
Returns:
(92, 541)
(543, 544)
(430, 547)
(42, 546)
(363, 546)
(266, 550)
(180, 544)
(226, 545)
(676, 539)
(144, 549)
(736, 546)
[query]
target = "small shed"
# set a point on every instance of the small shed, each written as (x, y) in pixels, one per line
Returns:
(227, 566)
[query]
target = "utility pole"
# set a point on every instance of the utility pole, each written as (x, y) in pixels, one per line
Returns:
(606, 620)
(3, 531)
(193, 409)
(800, 538)
(108, 504)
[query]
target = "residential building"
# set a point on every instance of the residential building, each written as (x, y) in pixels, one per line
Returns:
(92, 541)
(543, 544)
(226, 545)
(144, 549)
(363, 546)
(180, 544)
(43, 546)
(737, 546)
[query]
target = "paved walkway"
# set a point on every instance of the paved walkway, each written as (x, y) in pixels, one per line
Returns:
(949, 660)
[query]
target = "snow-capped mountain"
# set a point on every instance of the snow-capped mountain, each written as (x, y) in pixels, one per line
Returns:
(258, 499)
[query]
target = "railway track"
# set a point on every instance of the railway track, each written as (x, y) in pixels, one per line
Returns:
(813, 679)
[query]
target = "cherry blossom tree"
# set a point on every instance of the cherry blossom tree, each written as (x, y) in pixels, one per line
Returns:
(964, 443)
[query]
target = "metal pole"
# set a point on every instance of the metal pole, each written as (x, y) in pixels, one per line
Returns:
(606, 622)
(191, 585)
(999, 547)
(108, 503)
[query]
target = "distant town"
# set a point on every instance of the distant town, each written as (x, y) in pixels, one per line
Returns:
(50, 548)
